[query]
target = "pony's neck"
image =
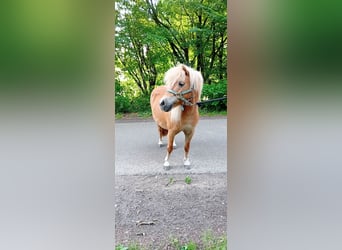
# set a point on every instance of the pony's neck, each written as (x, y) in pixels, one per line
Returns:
(187, 108)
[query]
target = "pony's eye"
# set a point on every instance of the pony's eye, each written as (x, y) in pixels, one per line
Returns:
(181, 84)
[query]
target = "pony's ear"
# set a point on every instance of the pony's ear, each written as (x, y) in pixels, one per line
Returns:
(185, 70)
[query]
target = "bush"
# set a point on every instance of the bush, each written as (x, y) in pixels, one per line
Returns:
(140, 104)
(126, 100)
(125, 103)
(122, 104)
(215, 90)
(122, 101)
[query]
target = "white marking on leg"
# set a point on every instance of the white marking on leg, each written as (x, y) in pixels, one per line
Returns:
(174, 144)
(160, 142)
(166, 160)
(187, 161)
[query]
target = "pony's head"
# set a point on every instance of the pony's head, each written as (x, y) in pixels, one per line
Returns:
(184, 87)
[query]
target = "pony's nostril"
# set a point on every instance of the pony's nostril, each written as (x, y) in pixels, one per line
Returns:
(162, 103)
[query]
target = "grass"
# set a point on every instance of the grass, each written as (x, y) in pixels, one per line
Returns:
(212, 113)
(119, 116)
(188, 246)
(145, 114)
(214, 243)
(138, 115)
(172, 180)
(130, 247)
(208, 242)
(148, 114)
(188, 180)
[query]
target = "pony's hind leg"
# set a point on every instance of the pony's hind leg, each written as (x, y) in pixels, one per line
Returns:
(188, 137)
(162, 132)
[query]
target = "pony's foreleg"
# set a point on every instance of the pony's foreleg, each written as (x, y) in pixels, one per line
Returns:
(162, 132)
(160, 142)
(170, 143)
(188, 137)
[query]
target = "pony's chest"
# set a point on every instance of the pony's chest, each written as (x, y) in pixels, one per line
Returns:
(187, 128)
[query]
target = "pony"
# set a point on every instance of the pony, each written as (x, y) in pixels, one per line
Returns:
(174, 107)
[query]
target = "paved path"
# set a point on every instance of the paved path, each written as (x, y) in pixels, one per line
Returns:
(137, 151)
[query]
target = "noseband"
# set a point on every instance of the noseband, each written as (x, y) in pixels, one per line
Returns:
(180, 96)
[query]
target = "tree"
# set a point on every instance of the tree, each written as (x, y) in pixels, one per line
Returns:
(152, 36)
(196, 32)
(136, 51)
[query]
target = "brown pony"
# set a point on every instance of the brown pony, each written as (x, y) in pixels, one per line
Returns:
(174, 107)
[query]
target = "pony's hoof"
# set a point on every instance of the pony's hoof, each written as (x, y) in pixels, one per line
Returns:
(174, 144)
(187, 164)
(167, 165)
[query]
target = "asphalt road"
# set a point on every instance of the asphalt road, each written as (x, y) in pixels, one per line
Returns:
(137, 151)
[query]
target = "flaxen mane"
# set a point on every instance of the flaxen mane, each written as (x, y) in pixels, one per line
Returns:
(176, 74)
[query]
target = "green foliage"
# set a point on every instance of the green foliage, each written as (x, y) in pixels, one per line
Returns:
(139, 104)
(175, 243)
(122, 104)
(212, 91)
(127, 101)
(171, 181)
(130, 247)
(210, 242)
(190, 246)
(121, 247)
(122, 101)
(188, 180)
(152, 36)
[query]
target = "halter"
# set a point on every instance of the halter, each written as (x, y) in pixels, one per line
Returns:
(180, 96)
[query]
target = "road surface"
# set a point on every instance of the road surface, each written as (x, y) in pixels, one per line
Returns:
(137, 151)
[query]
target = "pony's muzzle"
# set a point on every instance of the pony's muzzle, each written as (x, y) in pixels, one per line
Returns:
(167, 103)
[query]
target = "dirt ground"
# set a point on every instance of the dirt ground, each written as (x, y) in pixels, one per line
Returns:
(151, 211)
